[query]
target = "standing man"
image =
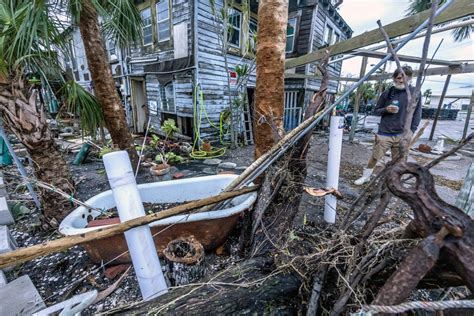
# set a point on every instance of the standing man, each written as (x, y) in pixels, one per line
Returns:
(392, 106)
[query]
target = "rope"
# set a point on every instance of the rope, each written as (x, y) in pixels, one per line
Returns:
(429, 306)
(197, 152)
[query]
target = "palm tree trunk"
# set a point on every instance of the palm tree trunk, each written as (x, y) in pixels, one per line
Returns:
(104, 85)
(26, 119)
(269, 94)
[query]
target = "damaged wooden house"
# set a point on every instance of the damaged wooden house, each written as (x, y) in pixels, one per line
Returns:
(188, 69)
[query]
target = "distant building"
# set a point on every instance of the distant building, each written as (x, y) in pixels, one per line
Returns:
(451, 102)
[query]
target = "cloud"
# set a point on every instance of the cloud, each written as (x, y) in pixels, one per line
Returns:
(362, 15)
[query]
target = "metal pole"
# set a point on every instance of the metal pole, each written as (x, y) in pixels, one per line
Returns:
(19, 165)
(313, 121)
(440, 104)
(355, 114)
(468, 117)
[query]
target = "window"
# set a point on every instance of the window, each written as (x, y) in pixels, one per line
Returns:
(290, 35)
(163, 20)
(328, 35)
(167, 98)
(112, 51)
(233, 28)
(335, 39)
(253, 35)
(146, 29)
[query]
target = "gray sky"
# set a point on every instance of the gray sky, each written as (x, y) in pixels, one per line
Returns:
(362, 15)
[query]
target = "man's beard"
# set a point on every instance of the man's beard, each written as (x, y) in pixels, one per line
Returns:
(399, 86)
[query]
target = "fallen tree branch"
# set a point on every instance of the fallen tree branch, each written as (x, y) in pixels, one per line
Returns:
(29, 253)
(247, 286)
(419, 133)
(316, 291)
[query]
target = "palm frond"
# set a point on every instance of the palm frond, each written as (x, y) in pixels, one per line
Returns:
(417, 6)
(79, 101)
(74, 7)
(122, 21)
(462, 33)
(29, 40)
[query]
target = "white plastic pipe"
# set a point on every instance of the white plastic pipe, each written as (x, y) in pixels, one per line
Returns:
(334, 161)
(139, 240)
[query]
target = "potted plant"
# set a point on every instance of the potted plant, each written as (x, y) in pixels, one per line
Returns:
(206, 146)
(161, 168)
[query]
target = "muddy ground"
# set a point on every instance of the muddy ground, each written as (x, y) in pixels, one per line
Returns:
(62, 275)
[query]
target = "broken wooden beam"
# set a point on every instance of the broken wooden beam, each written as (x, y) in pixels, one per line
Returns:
(438, 71)
(405, 58)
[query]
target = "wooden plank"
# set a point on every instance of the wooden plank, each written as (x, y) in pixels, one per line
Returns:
(459, 9)
(439, 71)
(410, 59)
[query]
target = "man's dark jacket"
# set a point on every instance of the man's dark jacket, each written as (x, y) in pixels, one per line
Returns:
(394, 123)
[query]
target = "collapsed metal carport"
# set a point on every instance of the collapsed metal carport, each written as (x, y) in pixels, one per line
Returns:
(353, 46)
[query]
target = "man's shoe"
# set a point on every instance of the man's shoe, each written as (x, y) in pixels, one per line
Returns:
(365, 177)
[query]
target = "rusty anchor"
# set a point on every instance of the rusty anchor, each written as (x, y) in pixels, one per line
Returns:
(448, 232)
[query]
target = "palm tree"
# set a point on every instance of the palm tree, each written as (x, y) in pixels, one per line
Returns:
(28, 31)
(459, 34)
(427, 95)
(269, 93)
(122, 22)
(367, 93)
(25, 37)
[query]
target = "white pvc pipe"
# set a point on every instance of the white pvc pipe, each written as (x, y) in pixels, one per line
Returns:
(334, 161)
(139, 240)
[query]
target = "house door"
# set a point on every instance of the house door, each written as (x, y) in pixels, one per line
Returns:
(139, 106)
(293, 113)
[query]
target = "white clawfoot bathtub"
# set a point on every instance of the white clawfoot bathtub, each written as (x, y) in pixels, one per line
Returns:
(210, 228)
